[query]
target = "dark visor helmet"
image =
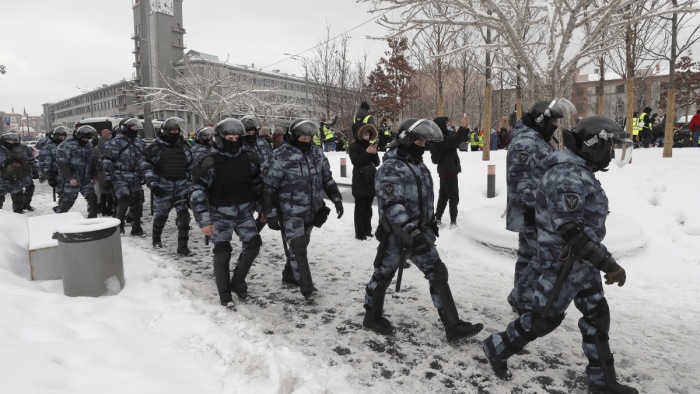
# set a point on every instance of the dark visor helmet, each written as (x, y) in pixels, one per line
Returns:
(302, 127)
(204, 135)
(599, 141)
(226, 127)
(412, 129)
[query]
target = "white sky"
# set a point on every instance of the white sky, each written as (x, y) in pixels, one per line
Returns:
(165, 332)
(50, 48)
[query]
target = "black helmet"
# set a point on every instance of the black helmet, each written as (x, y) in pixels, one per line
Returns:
(172, 124)
(229, 126)
(412, 129)
(599, 140)
(542, 113)
(251, 123)
(88, 132)
(10, 139)
(60, 131)
(204, 135)
(128, 123)
(302, 127)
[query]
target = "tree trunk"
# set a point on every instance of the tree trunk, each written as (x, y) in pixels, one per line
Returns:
(486, 154)
(601, 88)
(668, 134)
(671, 94)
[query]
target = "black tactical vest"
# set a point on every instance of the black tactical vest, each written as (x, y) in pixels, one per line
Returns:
(234, 181)
(172, 164)
(16, 167)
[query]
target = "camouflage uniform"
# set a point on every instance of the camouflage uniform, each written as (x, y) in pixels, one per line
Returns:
(297, 181)
(29, 188)
(225, 189)
(121, 163)
(568, 193)
(262, 151)
(17, 175)
(167, 166)
(200, 151)
(77, 161)
(526, 152)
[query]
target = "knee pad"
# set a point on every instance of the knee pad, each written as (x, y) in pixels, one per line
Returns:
(543, 326)
(184, 218)
(29, 189)
(440, 271)
(255, 242)
(159, 222)
(221, 247)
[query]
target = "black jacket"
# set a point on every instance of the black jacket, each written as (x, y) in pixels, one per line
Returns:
(363, 164)
(444, 153)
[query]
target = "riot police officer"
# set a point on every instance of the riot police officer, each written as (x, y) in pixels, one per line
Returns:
(405, 199)
(295, 177)
(530, 144)
(204, 143)
(166, 166)
(76, 164)
(17, 165)
(226, 186)
(121, 162)
(571, 211)
(48, 156)
(259, 147)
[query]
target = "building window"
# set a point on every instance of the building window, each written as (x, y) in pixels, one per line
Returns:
(620, 89)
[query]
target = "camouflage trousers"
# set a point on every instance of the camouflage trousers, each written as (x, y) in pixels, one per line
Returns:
(126, 184)
(296, 227)
(70, 193)
(16, 191)
(175, 197)
(235, 218)
(390, 263)
(526, 272)
(583, 286)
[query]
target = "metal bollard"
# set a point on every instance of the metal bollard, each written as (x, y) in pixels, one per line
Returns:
(491, 181)
(343, 167)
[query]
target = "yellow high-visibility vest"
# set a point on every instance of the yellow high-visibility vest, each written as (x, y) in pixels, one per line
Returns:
(636, 126)
(363, 120)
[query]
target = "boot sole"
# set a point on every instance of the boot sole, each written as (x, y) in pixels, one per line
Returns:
(475, 329)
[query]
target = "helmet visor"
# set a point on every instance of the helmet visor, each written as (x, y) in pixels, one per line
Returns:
(560, 108)
(306, 127)
(621, 152)
(426, 130)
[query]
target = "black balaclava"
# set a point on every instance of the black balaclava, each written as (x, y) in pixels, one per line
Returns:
(416, 151)
(171, 138)
(232, 146)
(130, 133)
(9, 145)
(250, 139)
(82, 142)
(303, 146)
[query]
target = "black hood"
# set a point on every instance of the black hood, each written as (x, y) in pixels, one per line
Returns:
(442, 123)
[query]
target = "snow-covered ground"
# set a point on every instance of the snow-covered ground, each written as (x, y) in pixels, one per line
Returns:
(166, 333)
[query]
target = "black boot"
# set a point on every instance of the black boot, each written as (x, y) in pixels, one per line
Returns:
(158, 224)
(136, 229)
(108, 209)
(245, 261)
(454, 328)
(183, 234)
(91, 205)
(27, 200)
(222, 271)
(306, 283)
(288, 275)
(373, 315)
(122, 206)
(607, 363)
(17, 202)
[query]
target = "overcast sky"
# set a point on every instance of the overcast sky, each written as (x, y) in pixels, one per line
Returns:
(51, 48)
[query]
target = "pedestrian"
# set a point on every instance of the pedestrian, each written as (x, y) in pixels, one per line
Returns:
(364, 159)
(17, 166)
(493, 140)
(204, 144)
(75, 158)
(277, 138)
(328, 135)
(571, 212)
(226, 186)
(444, 154)
(47, 160)
(405, 197)
(529, 146)
(362, 116)
(646, 120)
(265, 136)
(694, 128)
(121, 161)
(259, 148)
(295, 178)
(659, 132)
(166, 167)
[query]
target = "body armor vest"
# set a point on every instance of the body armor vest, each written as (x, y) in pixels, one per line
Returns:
(18, 168)
(172, 164)
(234, 181)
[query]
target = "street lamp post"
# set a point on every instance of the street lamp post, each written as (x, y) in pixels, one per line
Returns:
(306, 78)
(92, 115)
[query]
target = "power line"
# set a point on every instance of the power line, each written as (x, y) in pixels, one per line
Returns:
(327, 41)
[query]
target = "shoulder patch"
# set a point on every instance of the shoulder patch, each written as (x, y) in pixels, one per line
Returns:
(571, 201)
(266, 170)
(523, 157)
(388, 189)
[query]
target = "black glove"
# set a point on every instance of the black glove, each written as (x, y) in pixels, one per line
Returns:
(157, 191)
(339, 208)
(273, 222)
(433, 225)
(420, 243)
(107, 185)
(529, 214)
(615, 274)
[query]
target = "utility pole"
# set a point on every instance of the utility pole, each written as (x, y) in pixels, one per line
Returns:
(306, 78)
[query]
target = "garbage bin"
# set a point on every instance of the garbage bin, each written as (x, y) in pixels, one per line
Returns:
(91, 257)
